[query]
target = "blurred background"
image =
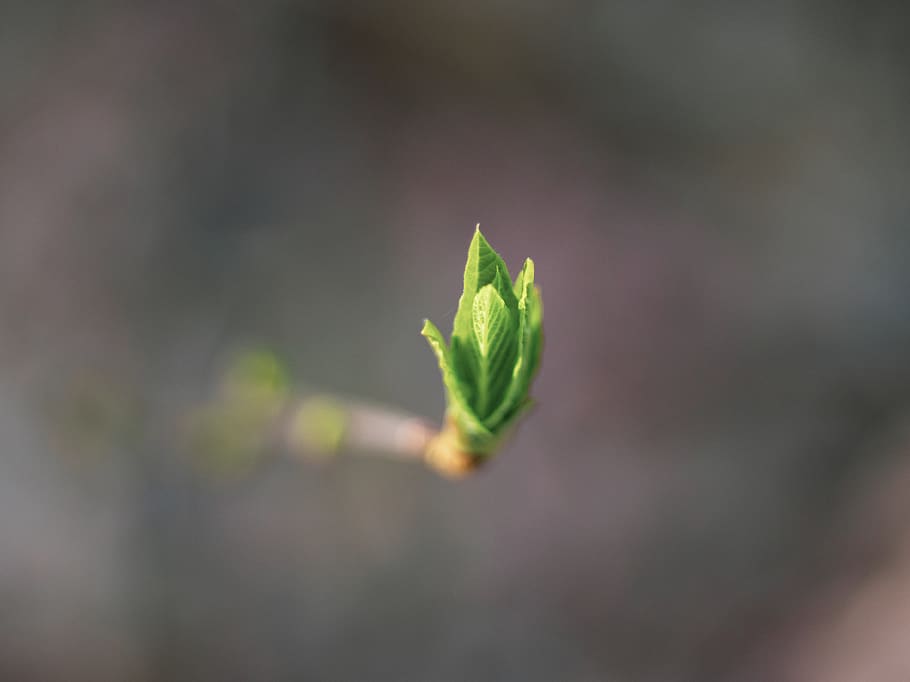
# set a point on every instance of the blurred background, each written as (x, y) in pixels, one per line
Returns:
(714, 485)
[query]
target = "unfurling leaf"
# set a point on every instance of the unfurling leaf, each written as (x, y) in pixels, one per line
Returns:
(494, 353)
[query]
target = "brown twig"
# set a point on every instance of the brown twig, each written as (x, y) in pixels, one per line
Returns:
(321, 426)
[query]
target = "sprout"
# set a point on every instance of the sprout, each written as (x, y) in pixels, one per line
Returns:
(490, 362)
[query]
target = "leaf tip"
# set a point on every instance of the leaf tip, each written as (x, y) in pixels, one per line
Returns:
(479, 239)
(429, 329)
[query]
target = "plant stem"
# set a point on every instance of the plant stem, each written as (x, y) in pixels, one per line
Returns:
(321, 426)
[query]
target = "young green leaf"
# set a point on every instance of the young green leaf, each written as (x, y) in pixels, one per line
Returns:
(526, 363)
(484, 266)
(456, 399)
(495, 344)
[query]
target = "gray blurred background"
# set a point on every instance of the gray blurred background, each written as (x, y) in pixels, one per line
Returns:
(716, 196)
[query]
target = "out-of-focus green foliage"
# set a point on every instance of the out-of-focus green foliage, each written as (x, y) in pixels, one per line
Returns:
(318, 426)
(229, 436)
(495, 349)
